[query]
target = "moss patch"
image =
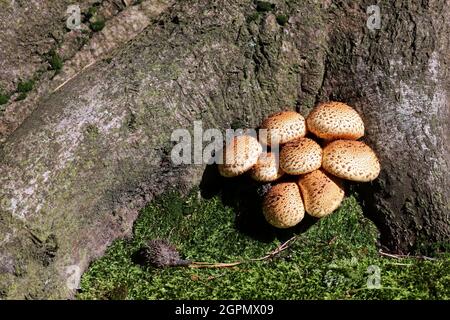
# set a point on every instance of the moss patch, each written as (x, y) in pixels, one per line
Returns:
(25, 86)
(329, 261)
(55, 61)
(4, 98)
(98, 24)
(282, 19)
(264, 6)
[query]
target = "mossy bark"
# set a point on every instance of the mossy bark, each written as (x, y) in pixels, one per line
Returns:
(76, 172)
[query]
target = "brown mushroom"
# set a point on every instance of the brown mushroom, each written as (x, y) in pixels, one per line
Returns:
(300, 156)
(335, 120)
(239, 155)
(283, 205)
(267, 168)
(283, 127)
(322, 193)
(351, 160)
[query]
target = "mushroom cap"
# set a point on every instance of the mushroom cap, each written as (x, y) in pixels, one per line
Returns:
(335, 120)
(285, 126)
(300, 156)
(283, 205)
(321, 192)
(351, 160)
(267, 168)
(239, 155)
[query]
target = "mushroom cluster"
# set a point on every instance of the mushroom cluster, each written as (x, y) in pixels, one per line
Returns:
(319, 152)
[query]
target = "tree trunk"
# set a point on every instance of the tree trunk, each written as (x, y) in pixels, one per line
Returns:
(79, 168)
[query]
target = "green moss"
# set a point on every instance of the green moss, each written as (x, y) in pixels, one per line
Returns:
(92, 11)
(253, 17)
(329, 261)
(98, 24)
(282, 19)
(4, 98)
(55, 61)
(264, 6)
(238, 124)
(21, 96)
(25, 86)
(91, 131)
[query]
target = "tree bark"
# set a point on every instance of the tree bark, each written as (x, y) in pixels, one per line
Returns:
(77, 171)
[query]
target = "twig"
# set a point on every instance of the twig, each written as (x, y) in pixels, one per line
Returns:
(403, 256)
(285, 245)
(279, 249)
(73, 76)
(199, 265)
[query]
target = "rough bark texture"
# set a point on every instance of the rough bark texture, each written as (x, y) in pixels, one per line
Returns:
(78, 169)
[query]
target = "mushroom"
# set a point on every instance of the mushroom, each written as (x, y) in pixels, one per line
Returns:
(283, 205)
(267, 168)
(300, 156)
(239, 155)
(351, 160)
(335, 120)
(321, 192)
(283, 127)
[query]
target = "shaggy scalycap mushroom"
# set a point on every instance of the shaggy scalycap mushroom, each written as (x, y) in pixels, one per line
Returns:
(239, 155)
(267, 168)
(300, 156)
(322, 193)
(351, 160)
(335, 120)
(283, 205)
(284, 126)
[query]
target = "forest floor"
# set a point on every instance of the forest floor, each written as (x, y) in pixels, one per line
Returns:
(336, 258)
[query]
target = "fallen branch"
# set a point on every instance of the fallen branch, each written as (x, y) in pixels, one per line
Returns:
(402, 256)
(285, 245)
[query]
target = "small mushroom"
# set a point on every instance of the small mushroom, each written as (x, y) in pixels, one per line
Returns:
(239, 155)
(322, 193)
(351, 160)
(335, 120)
(267, 168)
(283, 205)
(300, 156)
(283, 127)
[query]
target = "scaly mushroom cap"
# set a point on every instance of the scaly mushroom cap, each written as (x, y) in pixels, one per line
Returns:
(300, 156)
(284, 126)
(335, 120)
(351, 160)
(283, 205)
(267, 168)
(239, 155)
(321, 192)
